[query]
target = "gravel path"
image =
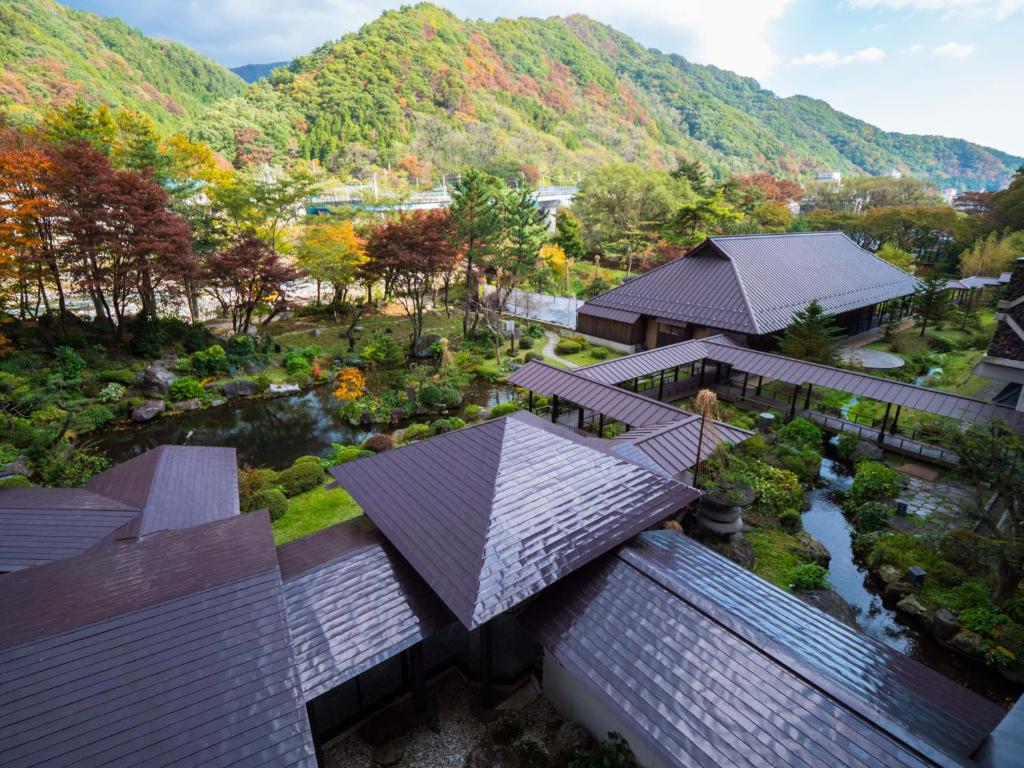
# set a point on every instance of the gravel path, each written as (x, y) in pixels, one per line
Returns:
(549, 350)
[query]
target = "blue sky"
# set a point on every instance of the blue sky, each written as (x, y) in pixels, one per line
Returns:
(950, 67)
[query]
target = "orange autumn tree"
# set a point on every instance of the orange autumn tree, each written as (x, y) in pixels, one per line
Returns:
(332, 253)
(349, 384)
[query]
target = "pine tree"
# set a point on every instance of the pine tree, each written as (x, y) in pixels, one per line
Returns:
(931, 302)
(811, 336)
(476, 227)
(569, 234)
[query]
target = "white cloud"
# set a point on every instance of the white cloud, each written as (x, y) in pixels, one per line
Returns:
(913, 50)
(954, 50)
(832, 58)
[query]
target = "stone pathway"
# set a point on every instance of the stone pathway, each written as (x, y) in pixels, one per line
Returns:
(552, 340)
(941, 502)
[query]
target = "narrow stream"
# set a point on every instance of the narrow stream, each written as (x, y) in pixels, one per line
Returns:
(265, 432)
(877, 616)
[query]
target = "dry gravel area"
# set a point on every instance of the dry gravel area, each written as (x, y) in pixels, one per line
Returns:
(530, 730)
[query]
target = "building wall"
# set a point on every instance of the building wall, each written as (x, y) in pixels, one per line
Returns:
(574, 702)
(610, 330)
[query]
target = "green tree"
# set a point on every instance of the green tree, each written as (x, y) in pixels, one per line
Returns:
(811, 336)
(896, 256)
(569, 234)
(931, 302)
(476, 228)
(524, 233)
(331, 253)
(1008, 205)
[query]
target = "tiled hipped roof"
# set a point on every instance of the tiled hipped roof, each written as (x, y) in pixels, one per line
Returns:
(1008, 340)
(754, 283)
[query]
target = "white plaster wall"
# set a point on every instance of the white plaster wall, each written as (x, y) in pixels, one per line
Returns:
(575, 702)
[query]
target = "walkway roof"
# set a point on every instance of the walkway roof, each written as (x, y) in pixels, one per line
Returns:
(799, 372)
(754, 283)
(713, 666)
(170, 651)
(673, 446)
(628, 407)
(353, 603)
(490, 515)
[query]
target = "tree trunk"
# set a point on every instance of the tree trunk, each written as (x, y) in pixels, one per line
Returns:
(468, 299)
(1009, 575)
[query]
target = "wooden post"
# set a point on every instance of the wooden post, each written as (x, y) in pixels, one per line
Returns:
(743, 394)
(636, 384)
(760, 381)
(792, 404)
(486, 658)
(419, 682)
(676, 377)
(579, 419)
(703, 368)
(885, 423)
(896, 420)
(661, 386)
(700, 444)
(554, 409)
(807, 400)
(529, 401)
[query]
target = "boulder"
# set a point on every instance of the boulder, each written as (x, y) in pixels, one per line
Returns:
(829, 601)
(388, 754)
(157, 377)
(898, 589)
(912, 604)
(283, 390)
(193, 404)
(217, 401)
(570, 738)
(738, 549)
(809, 549)
(240, 388)
(968, 643)
(492, 756)
(148, 410)
(888, 574)
(424, 347)
(396, 415)
(866, 451)
(943, 624)
(19, 466)
(316, 333)
(252, 366)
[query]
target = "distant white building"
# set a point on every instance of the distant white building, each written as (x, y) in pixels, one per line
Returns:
(834, 176)
(894, 174)
(949, 195)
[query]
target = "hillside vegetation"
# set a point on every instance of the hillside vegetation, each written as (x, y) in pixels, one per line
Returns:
(561, 94)
(51, 55)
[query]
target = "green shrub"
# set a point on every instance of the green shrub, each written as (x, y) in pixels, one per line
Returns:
(1014, 608)
(415, 432)
(504, 409)
(433, 395)
(789, 520)
(874, 481)
(846, 445)
(296, 362)
(802, 432)
(535, 331)
(67, 467)
(122, 376)
(526, 343)
(346, 453)
(949, 575)
(241, 345)
(15, 481)
(599, 353)
(801, 460)
(196, 338)
(472, 411)
(186, 388)
(211, 361)
(871, 516)
(755, 446)
(614, 753)
(272, 500)
(808, 576)
(299, 378)
(148, 337)
(378, 443)
(92, 417)
(112, 393)
(581, 340)
(383, 351)
(68, 364)
(567, 347)
(440, 426)
(981, 618)
(300, 477)
(250, 483)
(776, 490)
(532, 356)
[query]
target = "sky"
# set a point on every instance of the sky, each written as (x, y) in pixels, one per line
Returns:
(949, 67)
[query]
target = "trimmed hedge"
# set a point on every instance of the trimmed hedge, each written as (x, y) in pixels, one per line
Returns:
(273, 501)
(874, 481)
(567, 347)
(504, 409)
(378, 443)
(808, 576)
(301, 476)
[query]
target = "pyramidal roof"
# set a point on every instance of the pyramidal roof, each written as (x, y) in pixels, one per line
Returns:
(490, 515)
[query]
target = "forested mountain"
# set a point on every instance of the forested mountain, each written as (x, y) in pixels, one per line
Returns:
(425, 91)
(50, 55)
(253, 72)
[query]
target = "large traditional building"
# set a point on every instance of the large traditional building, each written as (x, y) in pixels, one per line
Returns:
(749, 286)
(1004, 360)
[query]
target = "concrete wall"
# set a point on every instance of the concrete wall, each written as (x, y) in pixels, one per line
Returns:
(575, 702)
(616, 345)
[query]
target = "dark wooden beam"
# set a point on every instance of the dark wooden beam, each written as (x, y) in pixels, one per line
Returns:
(579, 418)
(895, 420)
(792, 402)
(486, 664)
(743, 394)
(760, 381)
(807, 400)
(885, 423)
(318, 749)
(419, 679)
(554, 408)
(600, 425)
(703, 368)
(661, 386)
(529, 401)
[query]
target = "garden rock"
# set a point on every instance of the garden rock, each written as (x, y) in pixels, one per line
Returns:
(148, 410)
(829, 601)
(424, 347)
(809, 549)
(240, 388)
(396, 415)
(283, 390)
(217, 401)
(388, 754)
(968, 643)
(738, 549)
(898, 589)
(888, 574)
(252, 366)
(570, 738)
(193, 404)
(912, 605)
(17, 467)
(944, 624)
(866, 451)
(156, 377)
(316, 333)
(493, 756)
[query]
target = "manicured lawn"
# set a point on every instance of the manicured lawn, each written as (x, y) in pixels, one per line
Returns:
(773, 558)
(586, 357)
(312, 511)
